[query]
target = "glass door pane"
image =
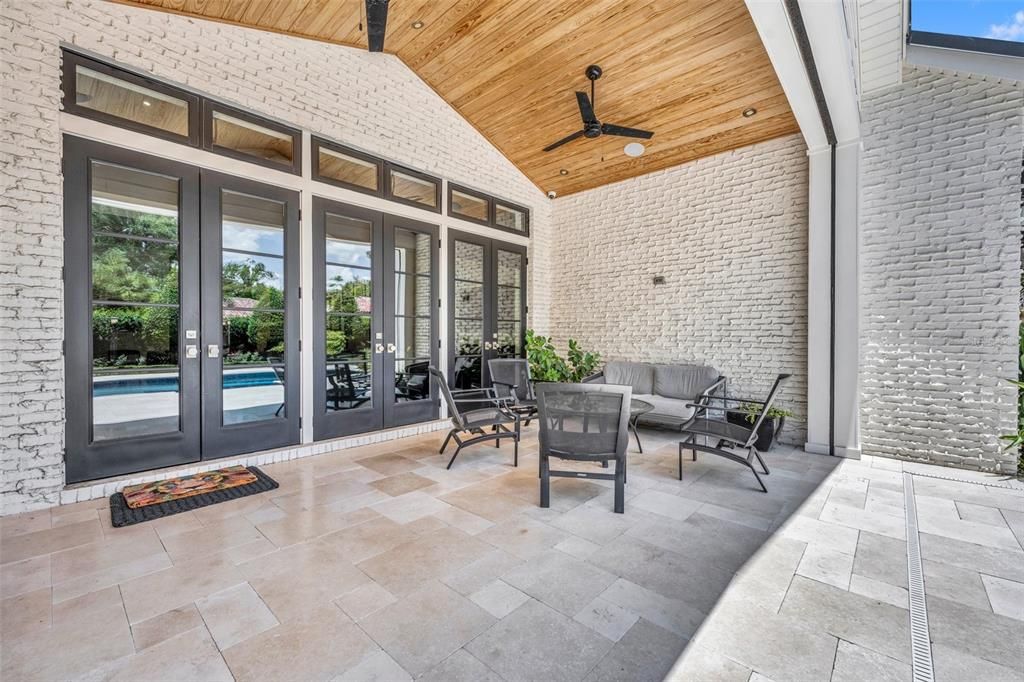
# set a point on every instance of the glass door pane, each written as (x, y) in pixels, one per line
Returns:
(250, 316)
(509, 291)
(413, 314)
(348, 357)
(348, 338)
(468, 314)
(412, 330)
(135, 303)
(252, 295)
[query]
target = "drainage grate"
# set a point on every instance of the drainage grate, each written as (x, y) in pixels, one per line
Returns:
(1007, 485)
(920, 640)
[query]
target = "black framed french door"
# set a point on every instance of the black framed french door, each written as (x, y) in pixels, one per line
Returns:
(181, 313)
(250, 315)
(487, 304)
(375, 325)
(131, 311)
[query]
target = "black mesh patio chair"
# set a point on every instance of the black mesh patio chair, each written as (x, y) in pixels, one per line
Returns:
(473, 411)
(511, 379)
(705, 424)
(584, 423)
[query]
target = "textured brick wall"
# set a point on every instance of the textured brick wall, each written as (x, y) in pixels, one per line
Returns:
(940, 270)
(370, 101)
(729, 234)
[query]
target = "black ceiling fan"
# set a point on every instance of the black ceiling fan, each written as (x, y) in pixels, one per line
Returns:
(376, 24)
(591, 126)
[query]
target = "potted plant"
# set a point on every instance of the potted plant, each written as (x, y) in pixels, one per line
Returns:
(547, 365)
(767, 433)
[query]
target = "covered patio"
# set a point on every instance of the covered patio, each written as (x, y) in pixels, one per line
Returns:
(286, 255)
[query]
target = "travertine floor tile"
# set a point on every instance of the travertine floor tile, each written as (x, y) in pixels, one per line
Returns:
(399, 484)
(1005, 596)
(460, 667)
(234, 615)
(364, 600)
(192, 655)
(607, 619)
(444, 620)
(177, 586)
(300, 578)
(39, 542)
(564, 583)
(523, 537)
(855, 664)
(428, 557)
(498, 598)
(530, 644)
(24, 576)
(322, 645)
(879, 627)
(166, 625)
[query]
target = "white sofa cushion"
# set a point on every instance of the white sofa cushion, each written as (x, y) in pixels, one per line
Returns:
(665, 407)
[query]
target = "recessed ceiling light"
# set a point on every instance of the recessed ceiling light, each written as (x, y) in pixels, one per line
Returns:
(747, 113)
(563, 172)
(633, 149)
(417, 24)
(147, 103)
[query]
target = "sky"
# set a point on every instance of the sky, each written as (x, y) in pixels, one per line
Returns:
(1000, 19)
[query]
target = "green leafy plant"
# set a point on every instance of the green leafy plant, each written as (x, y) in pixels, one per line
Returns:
(547, 365)
(752, 411)
(1016, 440)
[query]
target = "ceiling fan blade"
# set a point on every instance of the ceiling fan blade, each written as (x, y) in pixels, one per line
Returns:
(586, 110)
(376, 24)
(568, 138)
(612, 129)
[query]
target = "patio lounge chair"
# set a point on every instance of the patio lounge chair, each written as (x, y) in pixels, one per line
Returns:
(480, 410)
(727, 435)
(584, 423)
(511, 379)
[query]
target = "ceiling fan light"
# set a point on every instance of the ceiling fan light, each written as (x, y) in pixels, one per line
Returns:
(633, 149)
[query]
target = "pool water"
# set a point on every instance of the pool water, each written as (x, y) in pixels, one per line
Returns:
(165, 384)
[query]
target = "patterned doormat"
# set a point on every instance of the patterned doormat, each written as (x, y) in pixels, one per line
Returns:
(148, 501)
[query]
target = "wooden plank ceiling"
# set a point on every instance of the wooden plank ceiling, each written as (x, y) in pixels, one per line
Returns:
(684, 69)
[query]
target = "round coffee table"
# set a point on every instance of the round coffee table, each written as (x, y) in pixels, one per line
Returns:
(638, 408)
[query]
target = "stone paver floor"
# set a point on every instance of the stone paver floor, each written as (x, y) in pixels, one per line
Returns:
(377, 563)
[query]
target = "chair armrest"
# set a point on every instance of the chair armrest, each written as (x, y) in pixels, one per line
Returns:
(486, 392)
(732, 400)
(720, 382)
(594, 378)
(502, 383)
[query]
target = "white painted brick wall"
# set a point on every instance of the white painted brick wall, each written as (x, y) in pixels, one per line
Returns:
(729, 234)
(370, 101)
(940, 271)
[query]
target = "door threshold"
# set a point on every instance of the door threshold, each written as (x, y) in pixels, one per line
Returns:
(92, 490)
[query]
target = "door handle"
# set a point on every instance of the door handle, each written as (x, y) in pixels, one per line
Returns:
(392, 348)
(213, 351)
(378, 348)
(191, 351)
(487, 345)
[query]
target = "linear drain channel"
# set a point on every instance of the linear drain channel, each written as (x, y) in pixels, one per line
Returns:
(920, 640)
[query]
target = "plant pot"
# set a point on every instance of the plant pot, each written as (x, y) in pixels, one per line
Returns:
(765, 433)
